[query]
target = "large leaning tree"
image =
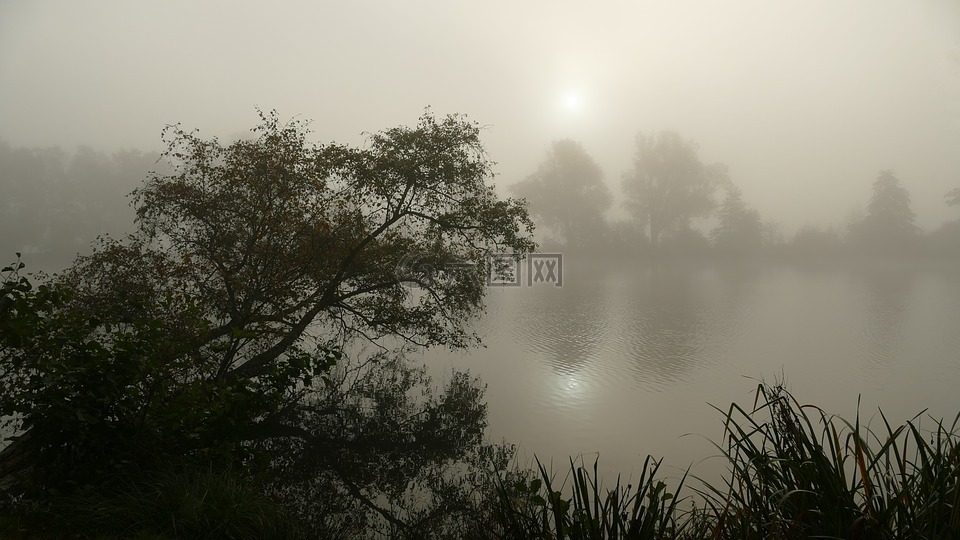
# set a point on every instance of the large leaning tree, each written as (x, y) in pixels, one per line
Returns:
(255, 265)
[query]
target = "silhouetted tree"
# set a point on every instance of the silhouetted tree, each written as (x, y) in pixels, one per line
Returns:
(669, 185)
(889, 223)
(217, 327)
(739, 229)
(567, 195)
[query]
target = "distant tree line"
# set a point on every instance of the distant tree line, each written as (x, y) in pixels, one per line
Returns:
(55, 202)
(669, 188)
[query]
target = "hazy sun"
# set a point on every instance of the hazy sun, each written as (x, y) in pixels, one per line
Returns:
(571, 101)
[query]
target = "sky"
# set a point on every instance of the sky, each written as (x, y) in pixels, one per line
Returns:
(804, 101)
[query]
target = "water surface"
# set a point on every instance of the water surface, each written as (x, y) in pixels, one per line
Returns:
(626, 359)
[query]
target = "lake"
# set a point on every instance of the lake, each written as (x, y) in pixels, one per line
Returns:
(625, 359)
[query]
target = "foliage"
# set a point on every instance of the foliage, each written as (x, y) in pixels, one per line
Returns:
(669, 185)
(535, 508)
(99, 384)
(277, 234)
(889, 224)
(567, 194)
(794, 472)
(213, 332)
(739, 229)
(397, 456)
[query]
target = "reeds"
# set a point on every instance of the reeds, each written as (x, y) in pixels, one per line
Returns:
(647, 512)
(794, 471)
(580, 509)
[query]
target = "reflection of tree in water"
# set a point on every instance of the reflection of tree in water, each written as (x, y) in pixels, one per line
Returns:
(656, 322)
(887, 289)
(565, 325)
(663, 324)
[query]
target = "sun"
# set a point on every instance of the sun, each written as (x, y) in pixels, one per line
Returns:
(572, 101)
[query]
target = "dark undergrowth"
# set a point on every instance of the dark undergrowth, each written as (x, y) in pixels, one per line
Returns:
(793, 471)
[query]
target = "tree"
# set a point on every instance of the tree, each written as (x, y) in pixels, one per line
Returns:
(669, 185)
(567, 194)
(218, 326)
(739, 229)
(889, 223)
(953, 197)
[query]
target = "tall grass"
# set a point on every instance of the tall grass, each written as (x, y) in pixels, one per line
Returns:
(793, 471)
(579, 508)
(796, 472)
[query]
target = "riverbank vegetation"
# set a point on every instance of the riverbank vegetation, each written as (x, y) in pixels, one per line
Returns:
(255, 325)
(237, 368)
(792, 471)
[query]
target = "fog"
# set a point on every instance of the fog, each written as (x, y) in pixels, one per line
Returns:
(732, 201)
(804, 102)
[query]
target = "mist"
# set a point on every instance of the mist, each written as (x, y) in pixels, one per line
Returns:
(256, 255)
(803, 103)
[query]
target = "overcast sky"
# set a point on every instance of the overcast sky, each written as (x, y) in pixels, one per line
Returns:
(805, 101)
